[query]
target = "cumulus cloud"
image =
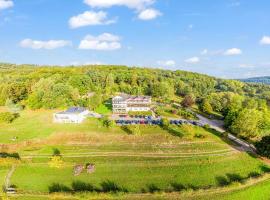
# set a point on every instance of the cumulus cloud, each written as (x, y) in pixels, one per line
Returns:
(103, 42)
(51, 44)
(204, 52)
(89, 18)
(233, 52)
(167, 63)
(4, 4)
(192, 60)
(265, 40)
(141, 6)
(149, 14)
(133, 4)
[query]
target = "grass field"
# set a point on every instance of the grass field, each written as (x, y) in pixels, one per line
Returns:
(137, 173)
(153, 159)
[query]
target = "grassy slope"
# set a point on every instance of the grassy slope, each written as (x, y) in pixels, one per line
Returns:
(134, 173)
(257, 192)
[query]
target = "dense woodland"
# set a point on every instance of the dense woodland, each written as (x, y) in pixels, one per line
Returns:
(244, 106)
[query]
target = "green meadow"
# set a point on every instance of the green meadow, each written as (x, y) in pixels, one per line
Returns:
(154, 161)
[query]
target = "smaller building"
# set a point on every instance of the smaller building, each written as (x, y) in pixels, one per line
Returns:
(74, 115)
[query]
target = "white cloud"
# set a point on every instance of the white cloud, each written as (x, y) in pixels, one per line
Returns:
(235, 4)
(204, 52)
(246, 66)
(51, 44)
(149, 14)
(192, 60)
(103, 42)
(133, 4)
(4, 4)
(167, 63)
(89, 18)
(233, 52)
(265, 40)
(78, 63)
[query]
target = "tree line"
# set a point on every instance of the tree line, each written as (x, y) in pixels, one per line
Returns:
(244, 106)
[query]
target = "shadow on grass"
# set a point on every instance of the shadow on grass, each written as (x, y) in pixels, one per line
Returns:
(152, 188)
(57, 187)
(80, 186)
(235, 178)
(265, 168)
(127, 130)
(110, 186)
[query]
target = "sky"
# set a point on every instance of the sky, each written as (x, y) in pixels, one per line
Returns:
(223, 38)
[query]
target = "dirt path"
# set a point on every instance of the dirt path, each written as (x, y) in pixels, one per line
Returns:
(8, 177)
(145, 155)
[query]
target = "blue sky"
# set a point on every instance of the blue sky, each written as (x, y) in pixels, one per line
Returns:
(224, 38)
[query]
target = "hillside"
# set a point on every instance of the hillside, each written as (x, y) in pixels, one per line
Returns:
(142, 161)
(264, 80)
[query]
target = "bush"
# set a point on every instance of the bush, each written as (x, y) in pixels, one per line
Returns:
(106, 122)
(57, 187)
(110, 186)
(165, 123)
(10, 155)
(186, 114)
(8, 117)
(177, 187)
(56, 152)
(79, 186)
(153, 188)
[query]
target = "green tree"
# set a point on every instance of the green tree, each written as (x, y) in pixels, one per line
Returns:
(247, 123)
(206, 107)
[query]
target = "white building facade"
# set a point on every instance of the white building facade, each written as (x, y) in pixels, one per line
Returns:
(124, 103)
(75, 115)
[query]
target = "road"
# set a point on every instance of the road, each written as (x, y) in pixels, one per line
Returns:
(219, 126)
(215, 124)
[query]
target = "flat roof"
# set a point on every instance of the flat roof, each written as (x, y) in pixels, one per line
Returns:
(73, 110)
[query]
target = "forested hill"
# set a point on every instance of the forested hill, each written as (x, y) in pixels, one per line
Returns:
(35, 87)
(264, 80)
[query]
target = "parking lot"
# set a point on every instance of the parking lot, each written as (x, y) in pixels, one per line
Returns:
(149, 120)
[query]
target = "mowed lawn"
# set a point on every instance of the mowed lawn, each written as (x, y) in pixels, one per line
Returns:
(137, 173)
(39, 125)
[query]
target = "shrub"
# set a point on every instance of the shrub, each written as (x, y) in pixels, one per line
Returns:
(153, 188)
(79, 186)
(165, 123)
(10, 155)
(110, 186)
(178, 187)
(56, 152)
(57, 187)
(106, 122)
(186, 114)
(8, 117)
